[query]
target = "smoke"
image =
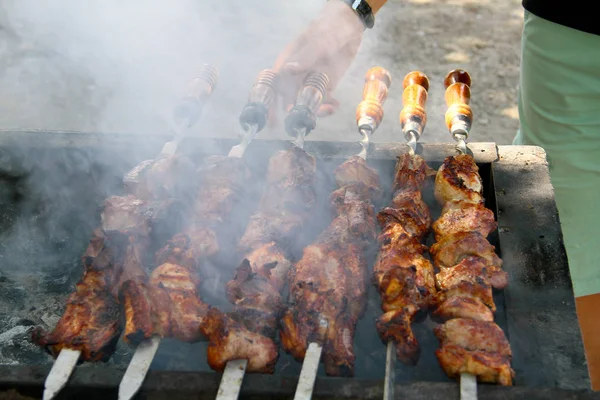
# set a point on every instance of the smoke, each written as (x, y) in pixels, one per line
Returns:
(121, 66)
(112, 67)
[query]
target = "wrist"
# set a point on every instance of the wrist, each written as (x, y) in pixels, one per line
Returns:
(344, 8)
(362, 9)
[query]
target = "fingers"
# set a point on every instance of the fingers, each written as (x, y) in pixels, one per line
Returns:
(328, 108)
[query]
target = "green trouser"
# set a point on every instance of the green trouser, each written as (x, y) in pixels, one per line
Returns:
(559, 110)
(559, 107)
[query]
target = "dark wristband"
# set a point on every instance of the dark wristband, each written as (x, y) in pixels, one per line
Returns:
(363, 10)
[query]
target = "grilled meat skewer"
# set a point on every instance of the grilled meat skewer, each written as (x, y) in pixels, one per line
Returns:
(171, 302)
(153, 180)
(168, 303)
(329, 284)
(469, 269)
(402, 274)
(114, 255)
(472, 346)
(256, 288)
(404, 277)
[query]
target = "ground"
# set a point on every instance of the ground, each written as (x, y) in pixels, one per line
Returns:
(106, 66)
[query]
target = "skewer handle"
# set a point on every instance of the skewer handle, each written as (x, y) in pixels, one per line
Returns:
(260, 100)
(413, 117)
(309, 99)
(459, 115)
(369, 112)
(199, 90)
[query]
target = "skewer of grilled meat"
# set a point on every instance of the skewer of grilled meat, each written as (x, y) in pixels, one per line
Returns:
(168, 304)
(91, 323)
(115, 254)
(249, 331)
(471, 343)
(328, 286)
(256, 289)
(402, 274)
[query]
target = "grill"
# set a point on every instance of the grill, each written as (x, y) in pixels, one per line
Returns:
(53, 223)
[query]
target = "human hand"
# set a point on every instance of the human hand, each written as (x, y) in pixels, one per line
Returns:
(329, 44)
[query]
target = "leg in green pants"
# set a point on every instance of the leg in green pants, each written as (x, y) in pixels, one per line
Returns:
(559, 107)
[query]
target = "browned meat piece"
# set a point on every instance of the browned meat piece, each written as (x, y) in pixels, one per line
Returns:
(125, 215)
(187, 311)
(222, 186)
(270, 263)
(328, 285)
(229, 340)
(410, 172)
(461, 216)
(404, 277)
(286, 202)
(396, 325)
(258, 304)
(338, 352)
(164, 177)
(473, 335)
(355, 171)
(470, 341)
(265, 227)
(477, 290)
(327, 275)
(387, 274)
(487, 367)
(476, 347)
(458, 179)
(406, 223)
(249, 331)
(471, 269)
(462, 307)
(91, 321)
(452, 249)
(168, 304)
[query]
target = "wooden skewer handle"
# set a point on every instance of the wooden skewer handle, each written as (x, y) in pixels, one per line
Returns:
(413, 116)
(459, 115)
(369, 112)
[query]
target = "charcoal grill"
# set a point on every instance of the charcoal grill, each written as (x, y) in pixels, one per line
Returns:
(536, 310)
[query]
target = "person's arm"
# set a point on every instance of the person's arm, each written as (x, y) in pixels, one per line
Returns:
(328, 44)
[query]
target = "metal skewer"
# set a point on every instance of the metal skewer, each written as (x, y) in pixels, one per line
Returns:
(185, 115)
(413, 119)
(459, 118)
(302, 118)
(301, 121)
(369, 112)
(191, 106)
(252, 120)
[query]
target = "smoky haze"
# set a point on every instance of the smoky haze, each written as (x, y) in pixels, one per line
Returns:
(107, 66)
(121, 66)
